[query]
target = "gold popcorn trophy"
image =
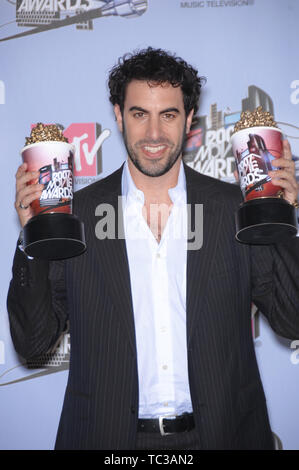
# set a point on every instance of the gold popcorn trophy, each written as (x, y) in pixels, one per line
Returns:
(53, 232)
(264, 217)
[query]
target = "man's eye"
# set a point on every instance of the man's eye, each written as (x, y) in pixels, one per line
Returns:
(138, 114)
(169, 116)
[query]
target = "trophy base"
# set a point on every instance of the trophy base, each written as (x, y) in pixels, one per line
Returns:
(265, 221)
(54, 236)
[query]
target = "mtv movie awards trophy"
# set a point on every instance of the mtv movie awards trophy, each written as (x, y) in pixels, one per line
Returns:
(53, 232)
(264, 217)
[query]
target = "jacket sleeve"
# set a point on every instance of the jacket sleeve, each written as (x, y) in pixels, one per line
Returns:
(275, 285)
(36, 304)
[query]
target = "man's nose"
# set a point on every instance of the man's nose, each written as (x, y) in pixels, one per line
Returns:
(153, 128)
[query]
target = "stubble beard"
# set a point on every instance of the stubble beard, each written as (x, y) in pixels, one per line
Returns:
(155, 168)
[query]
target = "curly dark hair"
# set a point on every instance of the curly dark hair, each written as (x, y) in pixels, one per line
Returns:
(157, 66)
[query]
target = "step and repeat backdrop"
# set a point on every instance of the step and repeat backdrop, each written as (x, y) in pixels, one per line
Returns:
(55, 56)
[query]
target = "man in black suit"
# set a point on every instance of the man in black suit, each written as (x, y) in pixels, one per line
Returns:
(162, 355)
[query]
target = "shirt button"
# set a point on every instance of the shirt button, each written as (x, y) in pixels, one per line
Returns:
(163, 329)
(158, 255)
(165, 367)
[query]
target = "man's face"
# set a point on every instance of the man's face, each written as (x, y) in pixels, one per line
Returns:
(154, 126)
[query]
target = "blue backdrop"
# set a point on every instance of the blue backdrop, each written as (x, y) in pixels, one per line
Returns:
(54, 59)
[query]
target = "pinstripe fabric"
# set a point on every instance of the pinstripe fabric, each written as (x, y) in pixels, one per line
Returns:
(100, 409)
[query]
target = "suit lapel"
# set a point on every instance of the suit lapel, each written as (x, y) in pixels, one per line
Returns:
(112, 255)
(200, 262)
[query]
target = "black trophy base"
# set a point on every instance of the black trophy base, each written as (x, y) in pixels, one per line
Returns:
(266, 221)
(54, 236)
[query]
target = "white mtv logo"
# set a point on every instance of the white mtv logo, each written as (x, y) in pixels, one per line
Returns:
(2, 92)
(88, 155)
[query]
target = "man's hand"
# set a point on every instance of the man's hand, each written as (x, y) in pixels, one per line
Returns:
(26, 193)
(285, 176)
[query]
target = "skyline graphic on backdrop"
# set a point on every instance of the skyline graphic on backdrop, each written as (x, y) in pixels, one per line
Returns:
(208, 148)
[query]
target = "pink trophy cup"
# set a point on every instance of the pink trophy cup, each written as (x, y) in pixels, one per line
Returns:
(53, 232)
(264, 217)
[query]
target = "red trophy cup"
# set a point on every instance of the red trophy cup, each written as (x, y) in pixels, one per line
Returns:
(53, 232)
(264, 217)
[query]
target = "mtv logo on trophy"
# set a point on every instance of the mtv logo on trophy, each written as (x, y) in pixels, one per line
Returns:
(53, 232)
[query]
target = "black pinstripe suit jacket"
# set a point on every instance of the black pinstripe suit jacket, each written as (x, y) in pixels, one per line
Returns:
(92, 291)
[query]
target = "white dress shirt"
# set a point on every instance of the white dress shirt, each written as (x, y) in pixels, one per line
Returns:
(158, 283)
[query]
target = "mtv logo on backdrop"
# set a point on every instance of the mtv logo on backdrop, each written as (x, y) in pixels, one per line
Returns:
(2, 92)
(87, 139)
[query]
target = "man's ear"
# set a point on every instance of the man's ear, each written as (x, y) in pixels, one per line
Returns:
(189, 121)
(119, 118)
